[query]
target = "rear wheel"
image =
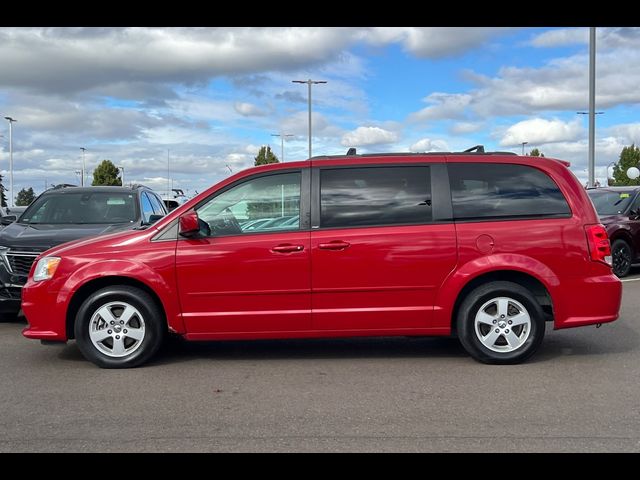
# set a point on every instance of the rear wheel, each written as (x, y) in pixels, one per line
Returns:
(119, 327)
(500, 322)
(621, 255)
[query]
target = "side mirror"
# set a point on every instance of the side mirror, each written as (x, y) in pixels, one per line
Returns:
(8, 219)
(154, 218)
(189, 226)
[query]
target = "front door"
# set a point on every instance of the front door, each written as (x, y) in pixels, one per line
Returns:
(238, 277)
(378, 256)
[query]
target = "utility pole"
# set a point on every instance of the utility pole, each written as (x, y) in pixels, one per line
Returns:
(309, 83)
(168, 177)
(11, 122)
(282, 137)
(83, 167)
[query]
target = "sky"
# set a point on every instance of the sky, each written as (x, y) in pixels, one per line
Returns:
(194, 104)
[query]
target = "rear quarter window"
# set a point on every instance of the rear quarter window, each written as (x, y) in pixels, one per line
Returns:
(503, 191)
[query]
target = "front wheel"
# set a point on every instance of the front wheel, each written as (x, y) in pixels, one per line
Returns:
(621, 256)
(119, 327)
(501, 323)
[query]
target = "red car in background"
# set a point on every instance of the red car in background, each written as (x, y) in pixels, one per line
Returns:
(490, 247)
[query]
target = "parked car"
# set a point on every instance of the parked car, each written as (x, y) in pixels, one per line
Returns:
(15, 210)
(488, 247)
(176, 199)
(63, 214)
(619, 210)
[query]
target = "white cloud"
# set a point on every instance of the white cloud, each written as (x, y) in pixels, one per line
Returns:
(443, 105)
(559, 85)
(537, 131)
(432, 42)
(627, 132)
(363, 136)
(249, 110)
(606, 38)
(64, 59)
(465, 127)
(429, 145)
(561, 37)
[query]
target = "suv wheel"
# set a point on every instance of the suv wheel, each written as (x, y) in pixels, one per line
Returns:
(119, 327)
(621, 255)
(500, 322)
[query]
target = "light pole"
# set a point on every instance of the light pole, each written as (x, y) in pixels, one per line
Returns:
(592, 117)
(309, 83)
(282, 137)
(523, 144)
(11, 121)
(122, 178)
(83, 169)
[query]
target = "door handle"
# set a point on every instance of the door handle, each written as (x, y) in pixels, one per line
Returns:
(287, 248)
(334, 245)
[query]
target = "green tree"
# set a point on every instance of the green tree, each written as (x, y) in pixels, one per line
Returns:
(106, 174)
(25, 197)
(629, 157)
(265, 156)
(3, 197)
(536, 153)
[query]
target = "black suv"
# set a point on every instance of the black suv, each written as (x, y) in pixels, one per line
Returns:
(64, 214)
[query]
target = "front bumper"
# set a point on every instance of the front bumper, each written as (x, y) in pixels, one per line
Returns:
(44, 312)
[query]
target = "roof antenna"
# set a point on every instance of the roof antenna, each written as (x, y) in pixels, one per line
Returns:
(477, 149)
(351, 151)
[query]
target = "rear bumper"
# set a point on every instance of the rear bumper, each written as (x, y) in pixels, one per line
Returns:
(581, 301)
(44, 313)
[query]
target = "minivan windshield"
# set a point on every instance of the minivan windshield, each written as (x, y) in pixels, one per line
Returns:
(82, 207)
(608, 202)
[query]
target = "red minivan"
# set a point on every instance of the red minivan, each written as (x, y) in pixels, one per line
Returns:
(488, 247)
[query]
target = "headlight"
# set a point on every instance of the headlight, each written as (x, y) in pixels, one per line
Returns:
(45, 268)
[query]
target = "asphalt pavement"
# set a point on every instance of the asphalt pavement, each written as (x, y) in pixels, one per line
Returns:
(580, 393)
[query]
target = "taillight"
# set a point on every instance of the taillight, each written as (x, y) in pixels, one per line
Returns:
(599, 246)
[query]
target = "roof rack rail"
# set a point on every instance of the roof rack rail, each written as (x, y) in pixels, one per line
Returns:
(63, 185)
(477, 149)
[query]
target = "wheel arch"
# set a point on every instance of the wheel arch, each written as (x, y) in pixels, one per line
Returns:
(526, 280)
(82, 293)
(622, 234)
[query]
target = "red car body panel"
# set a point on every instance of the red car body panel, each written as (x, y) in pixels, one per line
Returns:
(382, 280)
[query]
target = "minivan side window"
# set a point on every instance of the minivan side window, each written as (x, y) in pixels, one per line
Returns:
(495, 190)
(264, 204)
(351, 197)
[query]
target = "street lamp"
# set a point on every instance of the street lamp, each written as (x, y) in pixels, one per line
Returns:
(282, 137)
(309, 83)
(83, 169)
(11, 121)
(523, 144)
(122, 178)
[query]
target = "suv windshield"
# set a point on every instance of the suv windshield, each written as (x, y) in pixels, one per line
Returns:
(610, 203)
(82, 207)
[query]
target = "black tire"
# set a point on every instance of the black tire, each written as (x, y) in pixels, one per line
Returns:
(622, 256)
(517, 296)
(147, 320)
